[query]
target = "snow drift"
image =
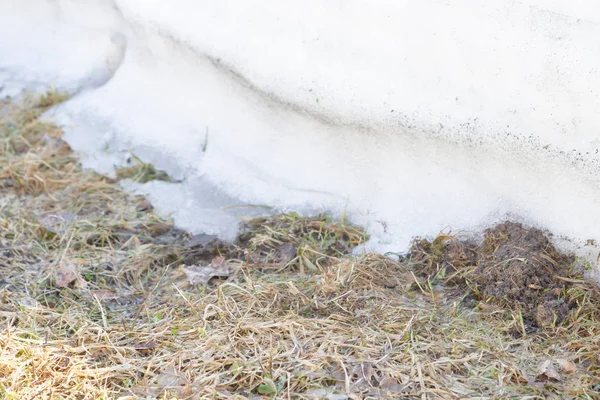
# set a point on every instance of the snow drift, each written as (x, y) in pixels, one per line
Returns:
(412, 117)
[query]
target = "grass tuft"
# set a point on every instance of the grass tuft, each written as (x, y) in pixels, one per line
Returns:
(142, 172)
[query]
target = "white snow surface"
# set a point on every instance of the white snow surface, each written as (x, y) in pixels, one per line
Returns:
(410, 116)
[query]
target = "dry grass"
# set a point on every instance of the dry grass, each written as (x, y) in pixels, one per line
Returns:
(95, 304)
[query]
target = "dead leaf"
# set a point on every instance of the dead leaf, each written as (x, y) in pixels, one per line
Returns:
(67, 274)
(159, 228)
(547, 372)
(94, 354)
(146, 346)
(567, 366)
(363, 373)
(133, 243)
(105, 294)
(167, 380)
(144, 390)
(56, 223)
(201, 275)
(390, 384)
(366, 369)
(287, 253)
(201, 240)
(173, 382)
(219, 263)
(143, 205)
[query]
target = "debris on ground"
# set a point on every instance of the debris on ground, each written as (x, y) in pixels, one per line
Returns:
(198, 275)
(515, 267)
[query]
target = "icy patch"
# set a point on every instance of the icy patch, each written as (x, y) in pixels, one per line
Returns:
(197, 206)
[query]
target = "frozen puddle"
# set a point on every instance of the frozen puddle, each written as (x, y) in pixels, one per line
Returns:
(411, 117)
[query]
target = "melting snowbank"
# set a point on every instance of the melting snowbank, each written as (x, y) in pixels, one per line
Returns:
(411, 116)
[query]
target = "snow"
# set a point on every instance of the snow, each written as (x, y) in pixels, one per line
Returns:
(412, 117)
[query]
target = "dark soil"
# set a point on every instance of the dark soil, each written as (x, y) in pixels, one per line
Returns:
(515, 267)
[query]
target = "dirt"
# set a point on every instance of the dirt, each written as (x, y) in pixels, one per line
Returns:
(520, 266)
(515, 267)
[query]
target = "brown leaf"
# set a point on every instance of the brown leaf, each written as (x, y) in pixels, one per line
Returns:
(566, 365)
(547, 372)
(105, 294)
(143, 205)
(99, 353)
(218, 263)
(159, 228)
(171, 379)
(167, 380)
(56, 223)
(146, 346)
(363, 373)
(201, 240)
(144, 389)
(201, 275)
(366, 369)
(390, 384)
(287, 253)
(66, 274)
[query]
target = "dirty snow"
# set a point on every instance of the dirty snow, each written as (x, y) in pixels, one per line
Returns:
(411, 117)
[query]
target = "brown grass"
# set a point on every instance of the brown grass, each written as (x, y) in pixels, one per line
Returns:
(96, 303)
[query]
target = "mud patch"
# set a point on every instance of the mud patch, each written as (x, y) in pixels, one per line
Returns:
(515, 267)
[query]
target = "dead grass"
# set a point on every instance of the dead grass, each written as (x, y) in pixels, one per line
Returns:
(96, 303)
